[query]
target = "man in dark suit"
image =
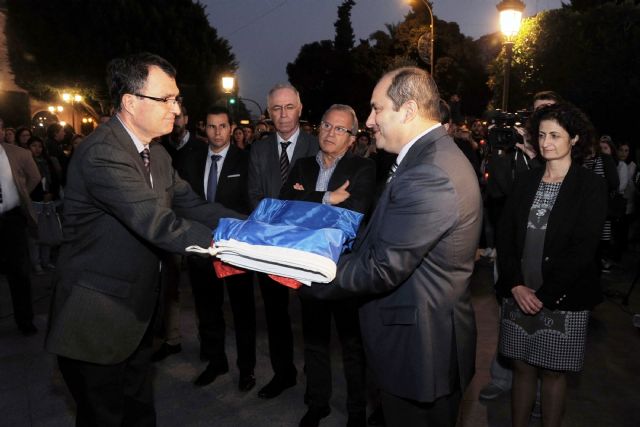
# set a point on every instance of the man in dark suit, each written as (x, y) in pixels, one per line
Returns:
(336, 177)
(268, 170)
(19, 175)
(124, 206)
(219, 174)
(415, 259)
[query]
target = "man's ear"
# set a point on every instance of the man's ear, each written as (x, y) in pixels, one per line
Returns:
(410, 110)
(128, 103)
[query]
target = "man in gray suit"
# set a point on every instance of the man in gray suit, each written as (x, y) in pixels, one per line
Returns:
(124, 206)
(269, 164)
(415, 259)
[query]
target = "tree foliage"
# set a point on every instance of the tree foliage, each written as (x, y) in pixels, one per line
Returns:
(326, 72)
(588, 56)
(58, 44)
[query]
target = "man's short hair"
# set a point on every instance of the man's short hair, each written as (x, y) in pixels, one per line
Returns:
(445, 112)
(217, 110)
(129, 74)
(346, 109)
(283, 86)
(548, 95)
(53, 129)
(413, 83)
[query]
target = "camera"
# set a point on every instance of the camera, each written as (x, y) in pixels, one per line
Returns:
(502, 132)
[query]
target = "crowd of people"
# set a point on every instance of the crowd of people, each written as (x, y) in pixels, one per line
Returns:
(549, 204)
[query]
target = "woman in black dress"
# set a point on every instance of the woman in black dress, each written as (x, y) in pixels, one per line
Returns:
(547, 267)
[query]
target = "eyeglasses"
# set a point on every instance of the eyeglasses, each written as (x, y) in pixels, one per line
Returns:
(277, 109)
(339, 129)
(167, 101)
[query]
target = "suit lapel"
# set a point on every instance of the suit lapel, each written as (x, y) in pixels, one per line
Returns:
(126, 143)
(419, 147)
(557, 217)
(229, 164)
(340, 174)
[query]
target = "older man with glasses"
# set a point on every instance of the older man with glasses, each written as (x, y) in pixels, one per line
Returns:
(334, 176)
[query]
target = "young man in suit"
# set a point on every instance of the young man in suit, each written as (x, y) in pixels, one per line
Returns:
(219, 174)
(335, 177)
(269, 163)
(19, 175)
(124, 207)
(415, 258)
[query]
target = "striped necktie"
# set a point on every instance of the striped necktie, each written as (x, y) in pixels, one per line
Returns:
(284, 161)
(392, 171)
(146, 159)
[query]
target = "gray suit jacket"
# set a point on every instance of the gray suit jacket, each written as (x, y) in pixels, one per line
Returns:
(264, 165)
(415, 259)
(115, 227)
(26, 177)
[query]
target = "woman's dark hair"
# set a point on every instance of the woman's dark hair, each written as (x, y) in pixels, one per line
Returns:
(22, 129)
(612, 149)
(572, 120)
(33, 139)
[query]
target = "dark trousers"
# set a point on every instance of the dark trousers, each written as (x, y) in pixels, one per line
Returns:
(14, 263)
(316, 323)
(276, 307)
(400, 412)
(113, 395)
(208, 294)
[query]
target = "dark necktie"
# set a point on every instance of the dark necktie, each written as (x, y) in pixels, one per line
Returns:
(392, 171)
(0, 192)
(146, 159)
(212, 182)
(284, 161)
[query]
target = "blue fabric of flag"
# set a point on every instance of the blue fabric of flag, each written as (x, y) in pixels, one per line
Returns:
(311, 227)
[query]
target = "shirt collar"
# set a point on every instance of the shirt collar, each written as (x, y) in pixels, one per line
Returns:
(222, 153)
(320, 160)
(292, 139)
(403, 152)
(140, 146)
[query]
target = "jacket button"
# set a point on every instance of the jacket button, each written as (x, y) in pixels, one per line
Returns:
(546, 258)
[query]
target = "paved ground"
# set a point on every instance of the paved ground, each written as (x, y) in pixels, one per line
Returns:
(605, 394)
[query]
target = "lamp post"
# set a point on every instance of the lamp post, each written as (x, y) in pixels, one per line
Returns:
(72, 98)
(510, 19)
(228, 84)
(431, 29)
(255, 102)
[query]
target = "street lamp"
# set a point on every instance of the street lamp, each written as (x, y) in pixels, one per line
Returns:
(228, 82)
(510, 19)
(428, 6)
(72, 98)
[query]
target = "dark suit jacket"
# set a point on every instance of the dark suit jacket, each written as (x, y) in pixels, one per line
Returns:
(264, 165)
(569, 267)
(415, 259)
(178, 157)
(115, 227)
(232, 184)
(360, 172)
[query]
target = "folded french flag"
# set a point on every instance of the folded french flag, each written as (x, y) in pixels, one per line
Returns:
(291, 239)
